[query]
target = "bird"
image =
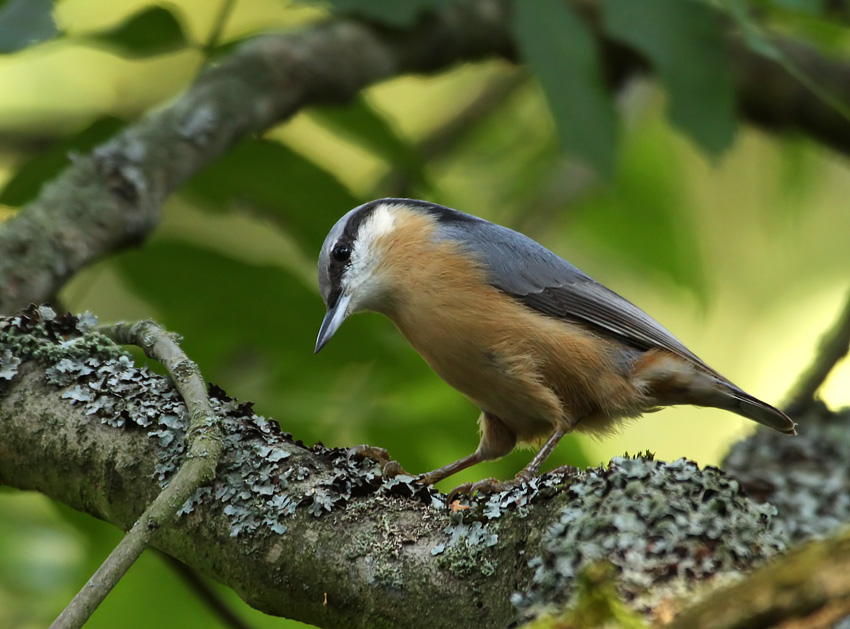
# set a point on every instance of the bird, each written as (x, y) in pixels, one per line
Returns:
(536, 344)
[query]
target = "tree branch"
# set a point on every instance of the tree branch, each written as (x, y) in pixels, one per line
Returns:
(832, 348)
(812, 580)
(771, 98)
(808, 481)
(309, 534)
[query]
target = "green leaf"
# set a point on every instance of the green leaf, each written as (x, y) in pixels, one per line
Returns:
(279, 182)
(391, 12)
(562, 52)
(684, 43)
(24, 23)
(187, 284)
(25, 184)
(152, 31)
(750, 31)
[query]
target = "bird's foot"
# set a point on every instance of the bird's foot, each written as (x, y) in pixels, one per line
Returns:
(486, 486)
(389, 467)
(565, 470)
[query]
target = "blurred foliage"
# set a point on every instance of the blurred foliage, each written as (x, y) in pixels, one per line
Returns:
(388, 12)
(36, 169)
(152, 31)
(735, 240)
(560, 49)
(24, 23)
(684, 43)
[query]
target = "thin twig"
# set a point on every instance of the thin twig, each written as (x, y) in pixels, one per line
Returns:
(445, 138)
(208, 595)
(221, 18)
(204, 441)
(490, 98)
(833, 346)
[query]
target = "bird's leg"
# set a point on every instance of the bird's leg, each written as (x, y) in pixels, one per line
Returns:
(389, 467)
(530, 470)
(492, 485)
(440, 473)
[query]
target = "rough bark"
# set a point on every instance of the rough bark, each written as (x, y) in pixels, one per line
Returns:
(310, 534)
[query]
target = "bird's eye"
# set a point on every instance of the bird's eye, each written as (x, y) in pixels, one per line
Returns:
(341, 252)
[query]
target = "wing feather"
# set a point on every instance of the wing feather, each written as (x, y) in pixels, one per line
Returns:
(545, 282)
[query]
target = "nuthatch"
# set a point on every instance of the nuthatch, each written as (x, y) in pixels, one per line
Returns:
(537, 345)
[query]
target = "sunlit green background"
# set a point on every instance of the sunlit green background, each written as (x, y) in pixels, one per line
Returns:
(745, 258)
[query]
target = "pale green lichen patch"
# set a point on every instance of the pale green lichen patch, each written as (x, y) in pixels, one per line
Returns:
(662, 525)
(807, 478)
(62, 343)
(658, 523)
(465, 553)
(8, 364)
(38, 332)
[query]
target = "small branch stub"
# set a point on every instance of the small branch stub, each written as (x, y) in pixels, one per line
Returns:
(833, 347)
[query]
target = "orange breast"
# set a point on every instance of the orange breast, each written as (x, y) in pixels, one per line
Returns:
(532, 371)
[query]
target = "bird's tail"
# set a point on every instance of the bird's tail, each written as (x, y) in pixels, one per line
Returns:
(746, 405)
(672, 379)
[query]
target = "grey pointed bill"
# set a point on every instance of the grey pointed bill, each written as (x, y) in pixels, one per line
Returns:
(333, 319)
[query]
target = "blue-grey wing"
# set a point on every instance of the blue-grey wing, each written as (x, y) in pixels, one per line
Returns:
(542, 280)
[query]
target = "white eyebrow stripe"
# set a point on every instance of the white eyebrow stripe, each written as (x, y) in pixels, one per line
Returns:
(361, 279)
(381, 222)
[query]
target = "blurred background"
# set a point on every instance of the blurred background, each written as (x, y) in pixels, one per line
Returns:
(743, 255)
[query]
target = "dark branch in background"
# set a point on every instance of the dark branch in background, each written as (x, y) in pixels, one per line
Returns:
(204, 446)
(770, 97)
(445, 138)
(224, 13)
(833, 347)
(112, 199)
(813, 581)
(214, 602)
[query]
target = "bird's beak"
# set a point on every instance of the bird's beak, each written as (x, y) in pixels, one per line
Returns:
(333, 319)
